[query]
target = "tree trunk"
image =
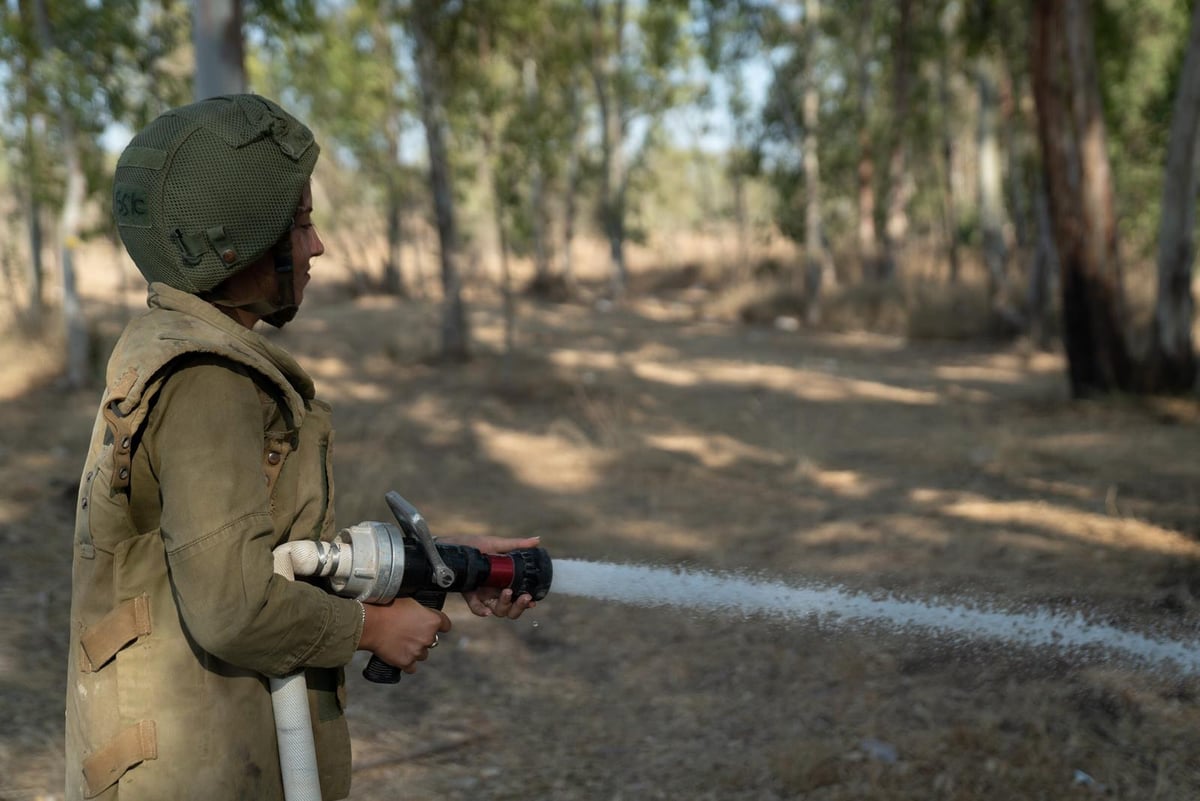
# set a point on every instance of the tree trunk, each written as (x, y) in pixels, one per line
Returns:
(1079, 183)
(1014, 129)
(991, 190)
(1172, 358)
(570, 201)
(393, 272)
(816, 265)
(393, 267)
(217, 40)
(78, 370)
(605, 74)
(900, 186)
(537, 180)
(37, 269)
(1042, 275)
(949, 203)
(455, 333)
(868, 237)
(492, 186)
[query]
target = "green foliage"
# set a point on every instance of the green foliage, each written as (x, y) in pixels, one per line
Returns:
(1139, 47)
(110, 63)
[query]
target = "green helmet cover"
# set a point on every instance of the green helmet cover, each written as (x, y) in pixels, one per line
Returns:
(205, 190)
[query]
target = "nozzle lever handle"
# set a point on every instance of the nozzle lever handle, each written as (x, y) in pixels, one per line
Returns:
(414, 524)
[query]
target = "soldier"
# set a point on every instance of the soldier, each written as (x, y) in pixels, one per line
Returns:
(210, 449)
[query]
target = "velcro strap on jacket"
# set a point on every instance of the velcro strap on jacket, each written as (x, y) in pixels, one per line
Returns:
(122, 454)
(115, 630)
(135, 744)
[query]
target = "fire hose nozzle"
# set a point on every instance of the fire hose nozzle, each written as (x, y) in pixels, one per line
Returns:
(387, 561)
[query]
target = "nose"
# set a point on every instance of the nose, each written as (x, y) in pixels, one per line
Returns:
(316, 246)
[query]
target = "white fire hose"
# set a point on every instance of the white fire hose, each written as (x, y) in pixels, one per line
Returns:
(371, 563)
(289, 694)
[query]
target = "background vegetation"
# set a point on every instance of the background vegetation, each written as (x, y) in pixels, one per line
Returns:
(895, 146)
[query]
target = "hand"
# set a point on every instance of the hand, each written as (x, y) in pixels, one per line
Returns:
(489, 601)
(401, 632)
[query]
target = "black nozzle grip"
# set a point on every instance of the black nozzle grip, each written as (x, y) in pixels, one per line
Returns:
(381, 672)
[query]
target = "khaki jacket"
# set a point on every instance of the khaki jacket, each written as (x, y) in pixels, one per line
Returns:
(208, 451)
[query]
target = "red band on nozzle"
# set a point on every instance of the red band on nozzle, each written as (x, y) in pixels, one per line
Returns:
(502, 572)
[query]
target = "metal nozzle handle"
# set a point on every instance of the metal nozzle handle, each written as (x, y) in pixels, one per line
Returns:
(412, 522)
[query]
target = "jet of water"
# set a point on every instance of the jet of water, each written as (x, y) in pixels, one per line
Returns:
(648, 586)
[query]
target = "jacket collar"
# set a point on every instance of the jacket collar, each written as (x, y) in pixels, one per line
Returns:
(168, 298)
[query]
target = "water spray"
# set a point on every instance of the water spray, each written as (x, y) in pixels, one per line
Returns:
(837, 608)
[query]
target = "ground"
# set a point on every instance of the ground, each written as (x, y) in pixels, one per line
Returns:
(650, 434)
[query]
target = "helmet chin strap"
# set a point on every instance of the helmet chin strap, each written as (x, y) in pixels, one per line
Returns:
(282, 309)
(285, 281)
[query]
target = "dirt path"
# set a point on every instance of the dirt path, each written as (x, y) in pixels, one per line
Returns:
(648, 435)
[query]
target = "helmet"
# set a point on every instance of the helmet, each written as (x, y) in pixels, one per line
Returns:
(205, 190)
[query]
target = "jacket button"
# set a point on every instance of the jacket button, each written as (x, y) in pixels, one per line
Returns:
(83, 504)
(273, 458)
(124, 474)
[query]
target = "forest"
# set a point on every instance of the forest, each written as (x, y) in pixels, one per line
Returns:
(891, 296)
(1036, 164)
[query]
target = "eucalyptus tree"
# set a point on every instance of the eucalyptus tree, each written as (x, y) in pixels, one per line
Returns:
(435, 29)
(1172, 352)
(900, 184)
(218, 43)
(76, 68)
(636, 56)
(543, 138)
(351, 71)
(1073, 136)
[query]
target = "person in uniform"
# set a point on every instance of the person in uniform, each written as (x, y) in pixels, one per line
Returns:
(210, 449)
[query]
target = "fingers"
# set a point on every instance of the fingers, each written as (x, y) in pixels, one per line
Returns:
(407, 632)
(504, 605)
(489, 544)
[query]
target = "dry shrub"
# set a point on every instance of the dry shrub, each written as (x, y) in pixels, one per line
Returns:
(868, 306)
(756, 302)
(951, 312)
(918, 311)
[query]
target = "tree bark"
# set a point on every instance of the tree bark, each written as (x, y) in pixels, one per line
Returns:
(991, 190)
(537, 180)
(868, 253)
(605, 69)
(1079, 183)
(571, 190)
(816, 265)
(455, 333)
(900, 187)
(1172, 359)
(217, 40)
(949, 202)
(1042, 275)
(393, 268)
(78, 370)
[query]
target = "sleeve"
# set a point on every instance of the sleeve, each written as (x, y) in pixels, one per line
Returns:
(205, 444)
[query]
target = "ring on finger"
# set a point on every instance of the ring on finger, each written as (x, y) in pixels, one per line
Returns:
(434, 644)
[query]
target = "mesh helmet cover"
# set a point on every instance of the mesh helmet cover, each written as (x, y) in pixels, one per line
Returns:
(205, 190)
